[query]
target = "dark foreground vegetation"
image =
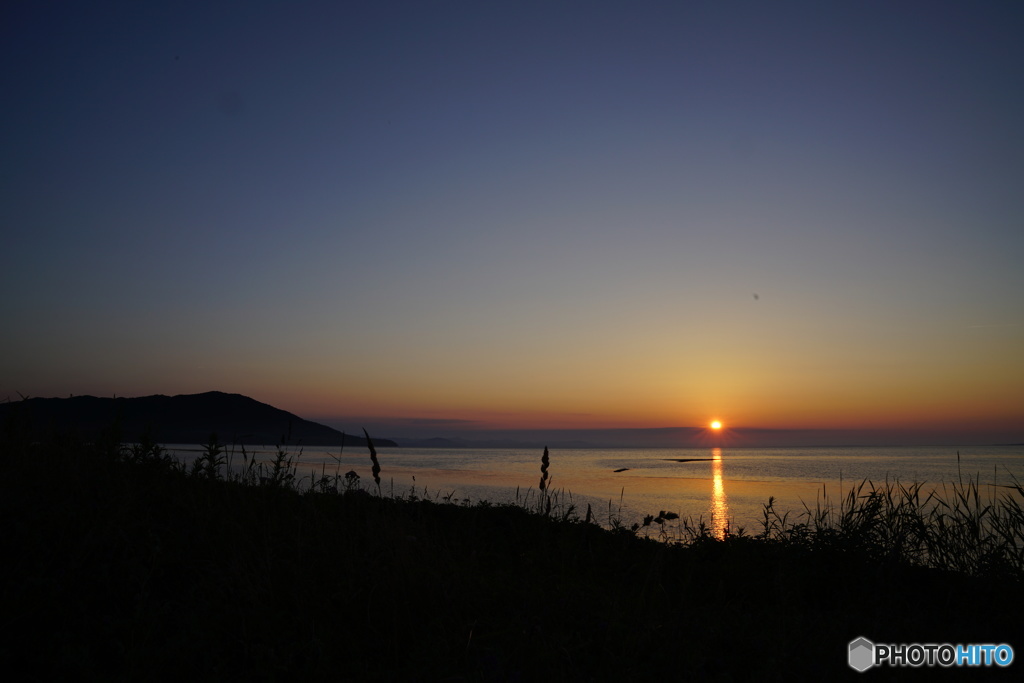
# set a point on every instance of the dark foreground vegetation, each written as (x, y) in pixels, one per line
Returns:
(123, 565)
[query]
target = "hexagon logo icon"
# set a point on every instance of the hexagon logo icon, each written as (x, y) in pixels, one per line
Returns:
(862, 654)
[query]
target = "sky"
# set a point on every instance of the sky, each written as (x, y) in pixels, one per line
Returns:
(444, 216)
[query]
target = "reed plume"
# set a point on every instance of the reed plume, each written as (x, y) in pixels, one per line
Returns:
(373, 459)
(544, 461)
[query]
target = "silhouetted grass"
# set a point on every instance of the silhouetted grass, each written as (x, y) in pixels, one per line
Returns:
(125, 566)
(950, 527)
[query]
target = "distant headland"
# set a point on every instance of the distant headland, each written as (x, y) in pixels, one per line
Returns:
(184, 419)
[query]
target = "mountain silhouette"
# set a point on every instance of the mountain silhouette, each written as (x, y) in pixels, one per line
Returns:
(184, 419)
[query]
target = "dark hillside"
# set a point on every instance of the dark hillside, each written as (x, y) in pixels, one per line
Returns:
(188, 418)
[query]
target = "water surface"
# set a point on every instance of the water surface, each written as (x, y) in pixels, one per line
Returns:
(712, 484)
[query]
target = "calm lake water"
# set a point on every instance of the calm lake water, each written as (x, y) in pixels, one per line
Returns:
(712, 484)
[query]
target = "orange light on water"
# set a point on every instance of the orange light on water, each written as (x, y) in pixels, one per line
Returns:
(719, 502)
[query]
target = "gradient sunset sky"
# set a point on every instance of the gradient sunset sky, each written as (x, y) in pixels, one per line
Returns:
(523, 214)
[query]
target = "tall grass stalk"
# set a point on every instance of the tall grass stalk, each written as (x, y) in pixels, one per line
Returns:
(376, 465)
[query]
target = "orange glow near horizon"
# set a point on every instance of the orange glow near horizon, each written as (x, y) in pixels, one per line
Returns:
(483, 416)
(996, 418)
(758, 388)
(755, 397)
(575, 404)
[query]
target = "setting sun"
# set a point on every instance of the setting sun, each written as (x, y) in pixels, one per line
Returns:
(716, 425)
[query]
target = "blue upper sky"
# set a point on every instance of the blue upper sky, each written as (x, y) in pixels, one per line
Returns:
(521, 214)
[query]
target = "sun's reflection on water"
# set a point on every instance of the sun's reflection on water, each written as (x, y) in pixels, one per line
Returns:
(719, 503)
